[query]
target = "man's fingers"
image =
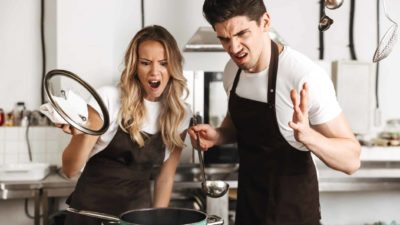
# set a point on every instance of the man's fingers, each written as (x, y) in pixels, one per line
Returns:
(304, 98)
(293, 96)
(293, 125)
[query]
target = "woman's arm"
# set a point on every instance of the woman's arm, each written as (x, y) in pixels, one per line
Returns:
(76, 153)
(165, 180)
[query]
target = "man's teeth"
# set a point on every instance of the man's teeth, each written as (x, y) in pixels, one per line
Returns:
(241, 55)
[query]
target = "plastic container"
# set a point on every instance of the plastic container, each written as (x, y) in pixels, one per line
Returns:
(18, 113)
(24, 171)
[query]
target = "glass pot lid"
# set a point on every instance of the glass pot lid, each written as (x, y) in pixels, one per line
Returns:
(76, 102)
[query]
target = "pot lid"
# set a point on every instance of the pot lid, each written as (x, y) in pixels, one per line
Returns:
(75, 102)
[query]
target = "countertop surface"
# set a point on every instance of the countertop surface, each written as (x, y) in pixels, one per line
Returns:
(380, 170)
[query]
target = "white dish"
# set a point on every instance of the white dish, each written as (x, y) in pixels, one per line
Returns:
(24, 171)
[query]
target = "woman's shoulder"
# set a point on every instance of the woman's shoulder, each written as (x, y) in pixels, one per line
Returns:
(109, 90)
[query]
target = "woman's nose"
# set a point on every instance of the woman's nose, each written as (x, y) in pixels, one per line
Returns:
(155, 68)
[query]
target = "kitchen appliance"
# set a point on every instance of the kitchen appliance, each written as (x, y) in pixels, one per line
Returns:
(205, 40)
(156, 216)
(358, 106)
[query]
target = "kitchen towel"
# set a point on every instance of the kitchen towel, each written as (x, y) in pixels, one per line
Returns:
(74, 106)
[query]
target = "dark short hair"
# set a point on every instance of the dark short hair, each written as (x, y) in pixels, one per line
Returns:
(217, 11)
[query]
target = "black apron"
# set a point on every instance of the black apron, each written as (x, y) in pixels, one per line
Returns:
(277, 183)
(117, 179)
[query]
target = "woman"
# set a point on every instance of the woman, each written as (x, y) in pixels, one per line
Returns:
(148, 123)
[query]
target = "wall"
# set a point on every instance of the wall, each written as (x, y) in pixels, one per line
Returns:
(46, 144)
(87, 37)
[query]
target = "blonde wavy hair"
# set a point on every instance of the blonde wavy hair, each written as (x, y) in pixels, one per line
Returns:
(133, 111)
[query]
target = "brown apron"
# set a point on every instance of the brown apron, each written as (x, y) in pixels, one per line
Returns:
(277, 183)
(117, 179)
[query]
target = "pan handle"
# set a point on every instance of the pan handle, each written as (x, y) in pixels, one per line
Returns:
(214, 220)
(94, 214)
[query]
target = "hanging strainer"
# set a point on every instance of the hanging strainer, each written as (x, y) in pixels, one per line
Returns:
(388, 40)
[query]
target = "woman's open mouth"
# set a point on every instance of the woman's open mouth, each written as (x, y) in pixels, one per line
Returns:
(155, 83)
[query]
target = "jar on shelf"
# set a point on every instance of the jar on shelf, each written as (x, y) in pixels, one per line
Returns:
(2, 117)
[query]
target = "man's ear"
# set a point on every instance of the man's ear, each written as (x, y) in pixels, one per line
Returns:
(265, 21)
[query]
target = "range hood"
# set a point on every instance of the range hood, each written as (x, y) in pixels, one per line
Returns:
(205, 40)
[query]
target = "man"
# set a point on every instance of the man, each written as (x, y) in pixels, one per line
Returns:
(276, 128)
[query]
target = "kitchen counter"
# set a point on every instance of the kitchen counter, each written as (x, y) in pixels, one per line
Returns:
(380, 171)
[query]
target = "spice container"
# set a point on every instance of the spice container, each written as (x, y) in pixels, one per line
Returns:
(2, 117)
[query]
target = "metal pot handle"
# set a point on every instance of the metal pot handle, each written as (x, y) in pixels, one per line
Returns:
(214, 220)
(113, 219)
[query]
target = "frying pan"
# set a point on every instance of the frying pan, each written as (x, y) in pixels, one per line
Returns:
(156, 216)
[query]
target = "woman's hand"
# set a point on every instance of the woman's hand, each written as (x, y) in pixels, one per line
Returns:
(68, 129)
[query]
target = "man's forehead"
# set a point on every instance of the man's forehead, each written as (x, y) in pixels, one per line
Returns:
(232, 26)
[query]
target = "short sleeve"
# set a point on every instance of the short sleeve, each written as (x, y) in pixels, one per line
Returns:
(323, 104)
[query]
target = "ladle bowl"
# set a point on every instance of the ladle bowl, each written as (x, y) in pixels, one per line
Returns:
(214, 188)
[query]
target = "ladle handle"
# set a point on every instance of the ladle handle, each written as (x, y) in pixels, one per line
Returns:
(201, 161)
(196, 120)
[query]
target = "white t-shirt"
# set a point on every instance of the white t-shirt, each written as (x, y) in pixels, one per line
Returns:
(111, 98)
(293, 70)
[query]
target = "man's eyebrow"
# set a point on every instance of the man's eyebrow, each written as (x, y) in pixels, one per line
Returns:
(236, 34)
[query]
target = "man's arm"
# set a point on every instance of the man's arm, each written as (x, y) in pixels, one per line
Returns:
(226, 131)
(333, 142)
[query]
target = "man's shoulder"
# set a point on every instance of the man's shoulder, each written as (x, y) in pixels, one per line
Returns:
(298, 63)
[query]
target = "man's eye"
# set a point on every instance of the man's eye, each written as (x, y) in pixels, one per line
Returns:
(243, 33)
(224, 40)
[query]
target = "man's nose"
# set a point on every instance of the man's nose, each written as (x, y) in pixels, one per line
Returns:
(235, 46)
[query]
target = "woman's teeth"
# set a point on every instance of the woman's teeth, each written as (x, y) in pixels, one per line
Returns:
(154, 84)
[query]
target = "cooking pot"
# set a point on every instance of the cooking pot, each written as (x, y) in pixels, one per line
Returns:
(156, 216)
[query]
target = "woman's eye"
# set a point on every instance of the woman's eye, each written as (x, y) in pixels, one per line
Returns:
(164, 64)
(145, 63)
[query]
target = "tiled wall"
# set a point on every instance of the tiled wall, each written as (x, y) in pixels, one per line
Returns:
(47, 144)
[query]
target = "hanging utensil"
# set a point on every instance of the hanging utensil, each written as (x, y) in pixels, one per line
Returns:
(333, 4)
(325, 22)
(215, 188)
(388, 40)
